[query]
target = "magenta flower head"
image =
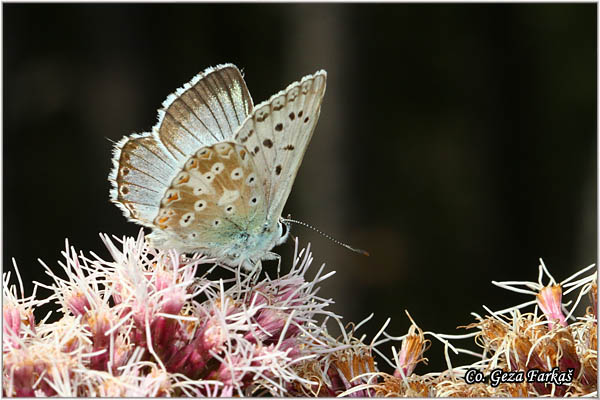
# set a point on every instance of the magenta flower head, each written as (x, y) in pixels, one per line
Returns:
(150, 322)
(17, 319)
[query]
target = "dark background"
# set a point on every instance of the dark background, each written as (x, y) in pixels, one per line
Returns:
(457, 143)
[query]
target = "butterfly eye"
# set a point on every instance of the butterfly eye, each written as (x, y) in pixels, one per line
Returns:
(182, 178)
(222, 147)
(216, 222)
(217, 168)
(306, 87)
(186, 219)
(229, 209)
(251, 180)
(171, 196)
(262, 114)
(162, 217)
(237, 174)
(200, 205)
(278, 103)
(253, 201)
(205, 154)
(191, 163)
(292, 95)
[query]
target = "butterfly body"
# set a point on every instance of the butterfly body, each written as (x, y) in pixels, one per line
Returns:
(215, 172)
(233, 247)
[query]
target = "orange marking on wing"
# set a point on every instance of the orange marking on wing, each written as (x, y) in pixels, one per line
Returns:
(173, 197)
(206, 156)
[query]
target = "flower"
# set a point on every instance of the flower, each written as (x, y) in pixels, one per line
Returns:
(144, 324)
(549, 299)
(411, 352)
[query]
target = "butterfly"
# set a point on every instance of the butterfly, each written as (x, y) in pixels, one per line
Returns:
(215, 172)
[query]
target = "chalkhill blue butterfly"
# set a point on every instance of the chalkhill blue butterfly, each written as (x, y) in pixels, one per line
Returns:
(215, 172)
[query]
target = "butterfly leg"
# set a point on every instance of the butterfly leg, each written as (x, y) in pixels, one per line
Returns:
(254, 272)
(278, 266)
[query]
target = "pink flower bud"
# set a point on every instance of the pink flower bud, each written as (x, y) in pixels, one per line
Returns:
(77, 303)
(11, 324)
(550, 301)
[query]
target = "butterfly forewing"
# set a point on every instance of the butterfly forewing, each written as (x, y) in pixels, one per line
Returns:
(143, 168)
(277, 134)
(203, 112)
(207, 110)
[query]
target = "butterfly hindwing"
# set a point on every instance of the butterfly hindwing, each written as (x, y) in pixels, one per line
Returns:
(203, 112)
(215, 197)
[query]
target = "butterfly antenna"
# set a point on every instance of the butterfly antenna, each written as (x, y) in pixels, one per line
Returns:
(304, 224)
